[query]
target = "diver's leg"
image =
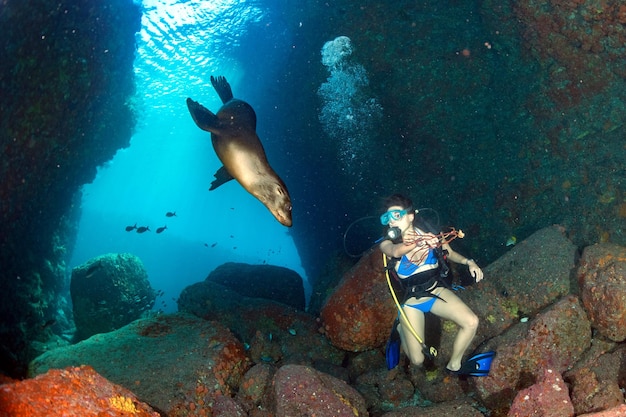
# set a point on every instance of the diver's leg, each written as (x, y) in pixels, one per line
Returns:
(456, 310)
(410, 345)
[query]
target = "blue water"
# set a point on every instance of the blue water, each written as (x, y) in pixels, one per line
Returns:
(170, 162)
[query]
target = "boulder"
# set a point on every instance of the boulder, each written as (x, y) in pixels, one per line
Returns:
(602, 280)
(618, 411)
(176, 363)
(109, 292)
(275, 332)
(261, 281)
(255, 387)
(555, 339)
(549, 396)
(358, 315)
(532, 275)
(71, 392)
(462, 408)
(301, 390)
(383, 390)
(595, 383)
(514, 289)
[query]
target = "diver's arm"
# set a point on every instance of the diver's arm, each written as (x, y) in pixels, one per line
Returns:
(396, 250)
(456, 257)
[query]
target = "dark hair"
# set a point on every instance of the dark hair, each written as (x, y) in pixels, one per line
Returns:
(397, 200)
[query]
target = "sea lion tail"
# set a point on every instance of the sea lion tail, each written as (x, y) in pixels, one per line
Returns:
(223, 88)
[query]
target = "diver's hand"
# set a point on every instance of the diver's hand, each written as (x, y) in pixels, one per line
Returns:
(430, 240)
(475, 271)
(409, 236)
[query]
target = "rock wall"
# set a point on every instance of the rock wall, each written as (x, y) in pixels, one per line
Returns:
(66, 75)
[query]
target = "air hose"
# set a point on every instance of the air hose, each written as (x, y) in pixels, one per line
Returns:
(430, 352)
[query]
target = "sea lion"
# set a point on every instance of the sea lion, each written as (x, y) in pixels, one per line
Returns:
(234, 138)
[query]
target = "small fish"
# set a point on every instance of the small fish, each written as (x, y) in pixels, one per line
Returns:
(131, 228)
(143, 229)
(511, 241)
(292, 332)
(161, 229)
(170, 214)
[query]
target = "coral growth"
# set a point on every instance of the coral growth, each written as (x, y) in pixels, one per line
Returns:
(580, 42)
(78, 391)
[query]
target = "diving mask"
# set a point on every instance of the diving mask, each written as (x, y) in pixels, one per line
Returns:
(393, 215)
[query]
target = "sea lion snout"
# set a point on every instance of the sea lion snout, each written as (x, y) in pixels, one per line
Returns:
(279, 204)
(283, 215)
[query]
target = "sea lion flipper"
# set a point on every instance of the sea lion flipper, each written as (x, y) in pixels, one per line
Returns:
(222, 88)
(221, 176)
(203, 116)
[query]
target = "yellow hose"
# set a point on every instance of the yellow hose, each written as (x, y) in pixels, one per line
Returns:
(430, 350)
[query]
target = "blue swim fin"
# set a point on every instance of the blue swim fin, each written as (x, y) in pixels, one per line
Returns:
(477, 365)
(392, 350)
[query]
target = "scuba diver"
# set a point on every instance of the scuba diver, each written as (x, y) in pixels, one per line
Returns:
(417, 259)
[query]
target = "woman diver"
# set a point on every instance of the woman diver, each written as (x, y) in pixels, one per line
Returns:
(416, 263)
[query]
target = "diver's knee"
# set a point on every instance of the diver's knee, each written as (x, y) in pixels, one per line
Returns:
(416, 359)
(472, 321)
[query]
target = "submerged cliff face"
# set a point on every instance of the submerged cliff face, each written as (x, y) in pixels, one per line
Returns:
(66, 79)
(505, 117)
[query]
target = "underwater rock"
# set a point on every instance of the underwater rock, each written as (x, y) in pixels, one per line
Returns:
(529, 277)
(300, 390)
(68, 88)
(274, 332)
(255, 386)
(549, 396)
(596, 385)
(109, 292)
(381, 388)
(555, 339)
(602, 280)
(176, 363)
(261, 281)
(70, 392)
(462, 407)
(359, 313)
